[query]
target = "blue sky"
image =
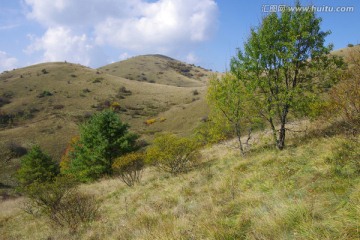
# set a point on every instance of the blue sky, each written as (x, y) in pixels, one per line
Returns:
(97, 32)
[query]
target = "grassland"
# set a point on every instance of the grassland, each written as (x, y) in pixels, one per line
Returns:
(310, 190)
(297, 193)
(48, 101)
(158, 69)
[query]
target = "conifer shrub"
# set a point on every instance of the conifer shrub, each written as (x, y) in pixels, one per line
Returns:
(103, 138)
(173, 154)
(36, 166)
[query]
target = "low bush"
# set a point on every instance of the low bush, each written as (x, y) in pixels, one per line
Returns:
(44, 94)
(8, 94)
(345, 96)
(150, 121)
(10, 151)
(36, 166)
(124, 91)
(6, 118)
(115, 106)
(98, 80)
(4, 101)
(16, 150)
(58, 107)
(103, 138)
(212, 130)
(86, 90)
(61, 202)
(129, 167)
(173, 154)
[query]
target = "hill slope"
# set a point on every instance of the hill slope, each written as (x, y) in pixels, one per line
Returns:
(158, 69)
(293, 194)
(55, 97)
(44, 104)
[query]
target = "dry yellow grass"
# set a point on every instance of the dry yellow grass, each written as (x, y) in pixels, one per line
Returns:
(158, 69)
(77, 90)
(268, 194)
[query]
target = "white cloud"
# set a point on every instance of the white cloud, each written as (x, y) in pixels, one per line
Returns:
(7, 62)
(78, 12)
(136, 26)
(61, 44)
(161, 26)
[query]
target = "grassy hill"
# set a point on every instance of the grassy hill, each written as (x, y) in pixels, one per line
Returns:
(158, 69)
(44, 104)
(298, 193)
(310, 190)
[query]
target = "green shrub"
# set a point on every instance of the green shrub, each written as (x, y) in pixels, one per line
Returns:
(9, 151)
(211, 131)
(345, 96)
(61, 202)
(173, 154)
(98, 80)
(6, 118)
(129, 167)
(36, 166)
(102, 139)
(4, 101)
(44, 94)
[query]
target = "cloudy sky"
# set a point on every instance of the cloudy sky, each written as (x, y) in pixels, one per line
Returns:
(97, 32)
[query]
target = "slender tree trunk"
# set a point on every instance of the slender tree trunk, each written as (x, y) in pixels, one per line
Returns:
(281, 140)
(282, 134)
(273, 131)
(238, 134)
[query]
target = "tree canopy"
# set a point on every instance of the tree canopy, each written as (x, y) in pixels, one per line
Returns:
(285, 64)
(102, 139)
(228, 97)
(36, 166)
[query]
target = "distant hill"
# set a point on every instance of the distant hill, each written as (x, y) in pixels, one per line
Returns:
(344, 52)
(158, 69)
(44, 103)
